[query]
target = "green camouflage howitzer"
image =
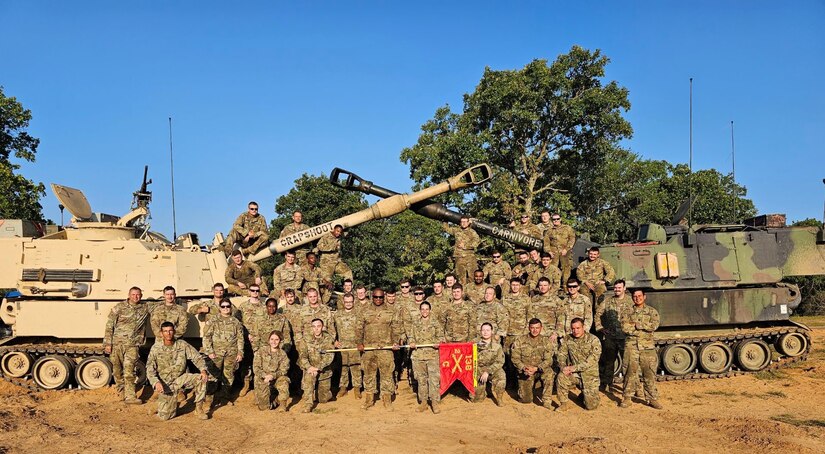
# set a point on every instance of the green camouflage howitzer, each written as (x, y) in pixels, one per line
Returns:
(382, 209)
(719, 290)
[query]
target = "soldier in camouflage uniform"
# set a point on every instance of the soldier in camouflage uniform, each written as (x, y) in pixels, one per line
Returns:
(498, 273)
(271, 366)
(548, 308)
(296, 226)
(377, 326)
(309, 312)
(271, 320)
(548, 270)
(166, 371)
(241, 274)
(223, 342)
(545, 222)
(125, 332)
(317, 366)
(578, 359)
(640, 350)
(250, 310)
(450, 280)
(249, 232)
(313, 278)
(527, 272)
(558, 241)
(576, 305)
(517, 305)
(491, 311)
(329, 247)
(526, 227)
(169, 311)
(345, 320)
(490, 366)
(439, 299)
(532, 356)
(459, 318)
(423, 330)
(405, 297)
(595, 273)
(287, 275)
(464, 250)
(208, 307)
(475, 290)
(608, 321)
(292, 312)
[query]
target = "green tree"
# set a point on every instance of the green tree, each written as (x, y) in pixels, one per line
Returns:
(540, 128)
(19, 197)
(811, 287)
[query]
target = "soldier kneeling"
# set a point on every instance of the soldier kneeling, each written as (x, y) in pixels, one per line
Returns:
(271, 366)
(578, 359)
(166, 370)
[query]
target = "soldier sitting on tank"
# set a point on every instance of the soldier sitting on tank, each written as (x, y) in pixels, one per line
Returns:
(249, 232)
(241, 274)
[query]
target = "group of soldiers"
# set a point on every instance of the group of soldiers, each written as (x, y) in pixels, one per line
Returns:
(531, 332)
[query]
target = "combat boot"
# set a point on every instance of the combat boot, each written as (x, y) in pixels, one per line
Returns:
(655, 404)
(207, 402)
(387, 400)
(282, 403)
(132, 401)
(625, 402)
(199, 411)
(369, 399)
(640, 393)
(342, 392)
(563, 406)
(357, 393)
(308, 406)
(422, 407)
(498, 396)
(434, 404)
(224, 397)
(246, 386)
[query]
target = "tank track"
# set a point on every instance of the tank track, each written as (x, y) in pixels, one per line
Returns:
(27, 382)
(763, 333)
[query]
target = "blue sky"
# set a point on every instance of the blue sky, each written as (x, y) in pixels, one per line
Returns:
(262, 92)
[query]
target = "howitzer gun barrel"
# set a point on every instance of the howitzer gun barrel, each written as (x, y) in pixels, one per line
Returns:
(382, 209)
(433, 210)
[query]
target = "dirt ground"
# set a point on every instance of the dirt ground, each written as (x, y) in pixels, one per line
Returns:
(780, 411)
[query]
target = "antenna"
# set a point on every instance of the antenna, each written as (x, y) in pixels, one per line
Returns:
(690, 159)
(172, 170)
(733, 170)
(61, 207)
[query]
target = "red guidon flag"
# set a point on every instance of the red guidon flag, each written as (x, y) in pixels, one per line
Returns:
(458, 362)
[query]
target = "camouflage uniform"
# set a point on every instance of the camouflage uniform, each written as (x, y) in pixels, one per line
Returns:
(548, 308)
(250, 310)
(490, 360)
(495, 314)
(498, 274)
(300, 254)
(167, 365)
(475, 293)
(464, 251)
(640, 351)
(214, 310)
(285, 277)
(125, 332)
(517, 306)
(377, 326)
(174, 313)
(608, 321)
(224, 338)
(439, 302)
(528, 229)
(552, 273)
(246, 273)
(580, 307)
(537, 352)
(292, 312)
(528, 272)
(459, 320)
(310, 356)
(241, 228)
(345, 322)
(263, 325)
(404, 299)
(556, 239)
(313, 279)
(423, 331)
(307, 314)
(275, 363)
(594, 271)
(583, 354)
(330, 262)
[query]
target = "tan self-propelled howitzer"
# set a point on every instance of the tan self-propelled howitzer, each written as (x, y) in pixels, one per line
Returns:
(382, 209)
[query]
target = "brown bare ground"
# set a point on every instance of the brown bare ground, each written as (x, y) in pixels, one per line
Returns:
(773, 412)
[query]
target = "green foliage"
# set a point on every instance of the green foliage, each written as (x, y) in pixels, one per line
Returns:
(811, 287)
(19, 197)
(379, 252)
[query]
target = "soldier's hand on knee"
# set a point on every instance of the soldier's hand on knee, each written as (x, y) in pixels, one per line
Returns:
(108, 349)
(268, 378)
(212, 356)
(567, 370)
(483, 378)
(158, 388)
(204, 376)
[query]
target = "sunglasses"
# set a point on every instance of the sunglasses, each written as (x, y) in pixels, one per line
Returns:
(254, 290)
(556, 219)
(253, 209)
(572, 286)
(377, 297)
(418, 293)
(405, 286)
(225, 307)
(496, 256)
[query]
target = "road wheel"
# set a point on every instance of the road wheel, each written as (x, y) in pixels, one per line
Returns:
(715, 357)
(52, 371)
(16, 364)
(678, 359)
(753, 355)
(93, 372)
(792, 344)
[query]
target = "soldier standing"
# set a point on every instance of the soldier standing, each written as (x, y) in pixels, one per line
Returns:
(608, 320)
(249, 232)
(547, 307)
(576, 305)
(578, 359)
(345, 320)
(489, 310)
(313, 278)
(377, 326)
(475, 290)
(166, 371)
(287, 275)
(490, 366)
(242, 274)
(309, 312)
(595, 273)
(124, 334)
(329, 246)
(405, 296)
(548, 270)
(526, 227)
(526, 271)
(545, 222)
(296, 226)
(640, 350)
(316, 363)
(292, 312)
(464, 250)
(558, 241)
(517, 305)
(498, 273)
(270, 367)
(533, 357)
(459, 318)
(210, 307)
(422, 330)
(169, 311)
(439, 298)
(270, 321)
(223, 342)
(250, 310)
